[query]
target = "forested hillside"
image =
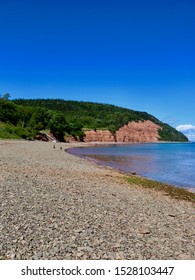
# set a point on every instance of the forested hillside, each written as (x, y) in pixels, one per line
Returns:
(28, 116)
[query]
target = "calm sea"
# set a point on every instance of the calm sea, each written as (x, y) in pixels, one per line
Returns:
(172, 163)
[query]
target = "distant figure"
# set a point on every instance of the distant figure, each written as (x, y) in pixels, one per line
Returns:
(54, 146)
(60, 148)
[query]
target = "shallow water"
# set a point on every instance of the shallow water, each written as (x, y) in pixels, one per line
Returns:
(172, 163)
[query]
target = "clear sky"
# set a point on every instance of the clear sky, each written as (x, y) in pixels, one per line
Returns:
(138, 54)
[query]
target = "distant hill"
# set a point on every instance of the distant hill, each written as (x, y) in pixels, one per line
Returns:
(75, 117)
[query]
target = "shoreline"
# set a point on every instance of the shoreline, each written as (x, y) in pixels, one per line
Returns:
(55, 205)
(93, 159)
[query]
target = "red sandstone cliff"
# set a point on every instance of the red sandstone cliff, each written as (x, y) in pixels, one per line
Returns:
(146, 131)
(99, 136)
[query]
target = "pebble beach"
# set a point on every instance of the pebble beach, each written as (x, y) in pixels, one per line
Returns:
(54, 205)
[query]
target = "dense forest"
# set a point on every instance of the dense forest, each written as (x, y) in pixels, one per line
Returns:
(23, 118)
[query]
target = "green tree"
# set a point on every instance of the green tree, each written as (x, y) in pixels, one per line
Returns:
(6, 96)
(39, 119)
(8, 111)
(58, 126)
(75, 129)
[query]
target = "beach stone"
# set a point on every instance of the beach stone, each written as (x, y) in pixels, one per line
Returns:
(144, 230)
(172, 215)
(184, 257)
(117, 245)
(120, 256)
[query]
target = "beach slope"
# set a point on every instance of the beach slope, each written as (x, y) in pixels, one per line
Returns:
(54, 205)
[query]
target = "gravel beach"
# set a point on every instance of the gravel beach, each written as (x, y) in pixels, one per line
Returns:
(54, 205)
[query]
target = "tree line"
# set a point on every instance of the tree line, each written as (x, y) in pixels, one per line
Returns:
(26, 121)
(28, 116)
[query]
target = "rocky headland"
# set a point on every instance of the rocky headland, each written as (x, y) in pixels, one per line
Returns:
(133, 132)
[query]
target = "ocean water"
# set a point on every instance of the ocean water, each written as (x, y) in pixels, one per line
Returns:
(172, 163)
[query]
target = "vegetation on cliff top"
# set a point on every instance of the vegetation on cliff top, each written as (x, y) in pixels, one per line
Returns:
(27, 116)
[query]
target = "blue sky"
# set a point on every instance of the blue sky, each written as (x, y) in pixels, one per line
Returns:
(136, 54)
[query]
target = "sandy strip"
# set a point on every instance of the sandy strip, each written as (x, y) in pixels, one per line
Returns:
(54, 205)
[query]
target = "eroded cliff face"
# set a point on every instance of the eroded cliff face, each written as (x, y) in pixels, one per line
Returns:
(146, 131)
(99, 136)
(135, 132)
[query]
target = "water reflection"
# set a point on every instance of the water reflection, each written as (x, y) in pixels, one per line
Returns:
(172, 163)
